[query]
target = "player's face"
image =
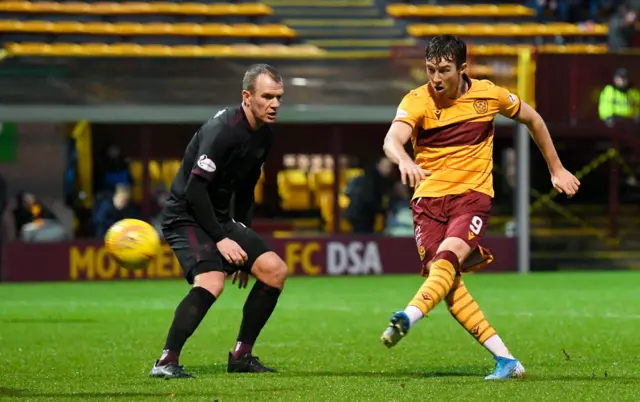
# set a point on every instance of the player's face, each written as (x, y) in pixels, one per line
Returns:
(444, 77)
(264, 102)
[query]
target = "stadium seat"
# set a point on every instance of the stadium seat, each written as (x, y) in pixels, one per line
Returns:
(259, 190)
(135, 50)
(320, 183)
(456, 10)
(508, 50)
(133, 8)
(552, 29)
(352, 173)
(168, 171)
(132, 28)
(326, 211)
(578, 48)
(137, 173)
(293, 188)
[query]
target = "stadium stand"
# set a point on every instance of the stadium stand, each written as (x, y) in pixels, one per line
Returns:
(284, 28)
(158, 29)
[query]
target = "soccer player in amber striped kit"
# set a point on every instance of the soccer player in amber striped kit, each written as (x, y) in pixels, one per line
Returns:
(450, 122)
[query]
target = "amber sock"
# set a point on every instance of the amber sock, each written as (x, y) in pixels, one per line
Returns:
(438, 284)
(467, 312)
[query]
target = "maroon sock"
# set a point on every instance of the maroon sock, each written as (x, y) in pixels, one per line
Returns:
(241, 349)
(257, 309)
(168, 356)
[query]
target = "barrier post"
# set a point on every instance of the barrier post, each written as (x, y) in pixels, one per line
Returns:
(523, 167)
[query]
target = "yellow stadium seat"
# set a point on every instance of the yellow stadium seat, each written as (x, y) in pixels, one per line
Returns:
(137, 174)
(259, 190)
(168, 171)
(135, 167)
(574, 48)
(9, 25)
(153, 28)
(455, 10)
(104, 8)
(420, 30)
(127, 28)
(352, 173)
(293, 188)
(494, 50)
(94, 48)
(26, 48)
(76, 7)
(115, 8)
(99, 28)
(135, 50)
(326, 211)
(321, 184)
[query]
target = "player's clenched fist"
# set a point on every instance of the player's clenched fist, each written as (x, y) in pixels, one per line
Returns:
(232, 252)
(565, 182)
(410, 173)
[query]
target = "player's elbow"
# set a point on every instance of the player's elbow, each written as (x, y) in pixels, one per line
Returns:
(385, 146)
(390, 144)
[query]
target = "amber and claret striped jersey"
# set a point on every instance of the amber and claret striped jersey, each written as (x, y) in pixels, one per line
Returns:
(456, 143)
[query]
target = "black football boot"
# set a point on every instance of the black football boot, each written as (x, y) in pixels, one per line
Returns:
(247, 364)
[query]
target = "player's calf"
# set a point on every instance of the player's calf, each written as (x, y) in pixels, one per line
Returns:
(271, 273)
(442, 272)
(207, 288)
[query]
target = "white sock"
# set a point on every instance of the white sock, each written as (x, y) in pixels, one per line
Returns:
(414, 313)
(497, 347)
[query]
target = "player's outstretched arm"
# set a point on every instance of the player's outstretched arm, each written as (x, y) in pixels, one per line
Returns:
(563, 181)
(397, 136)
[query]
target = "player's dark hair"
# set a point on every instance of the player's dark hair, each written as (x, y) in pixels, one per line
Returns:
(447, 47)
(256, 70)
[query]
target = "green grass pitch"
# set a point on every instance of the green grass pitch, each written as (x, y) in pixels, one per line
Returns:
(576, 333)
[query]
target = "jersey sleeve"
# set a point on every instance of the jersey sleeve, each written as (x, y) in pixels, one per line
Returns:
(214, 146)
(508, 103)
(411, 109)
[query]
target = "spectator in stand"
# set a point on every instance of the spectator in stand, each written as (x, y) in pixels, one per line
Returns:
(111, 170)
(34, 222)
(619, 100)
(366, 194)
(112, 209)
(573, 11)
(399, 220)
(622, 28)
(29, 210)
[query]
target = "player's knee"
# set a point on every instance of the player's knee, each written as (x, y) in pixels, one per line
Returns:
(270, 269)
(211, 281)
(457, 246)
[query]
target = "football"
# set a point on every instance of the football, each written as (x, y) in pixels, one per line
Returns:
(132, 243)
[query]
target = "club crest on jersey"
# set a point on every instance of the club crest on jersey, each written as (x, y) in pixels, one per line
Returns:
(422, 252)
(206, 164)
(481, 106)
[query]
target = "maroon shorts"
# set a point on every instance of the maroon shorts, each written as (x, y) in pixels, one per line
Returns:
(462, 215)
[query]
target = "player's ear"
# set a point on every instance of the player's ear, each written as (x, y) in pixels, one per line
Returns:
(463, 68)
(245, 97)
